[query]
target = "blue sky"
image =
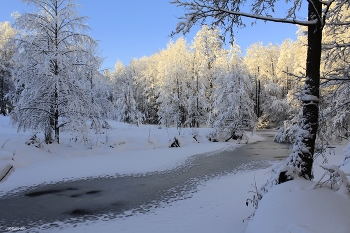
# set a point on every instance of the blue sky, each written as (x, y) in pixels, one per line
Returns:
(129, 29)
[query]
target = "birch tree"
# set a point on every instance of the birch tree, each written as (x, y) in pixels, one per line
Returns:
(55, 69)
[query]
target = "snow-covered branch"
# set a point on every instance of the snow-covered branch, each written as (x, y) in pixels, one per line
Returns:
(228, 14)
(264, 18)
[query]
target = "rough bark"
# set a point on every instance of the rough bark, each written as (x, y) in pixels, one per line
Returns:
(303, 150)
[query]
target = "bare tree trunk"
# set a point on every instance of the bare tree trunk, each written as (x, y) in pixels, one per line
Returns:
(2, 94)
(303, 150)
(57, 129)
(56, 72)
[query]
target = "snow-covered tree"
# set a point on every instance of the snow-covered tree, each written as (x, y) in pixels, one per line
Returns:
(151, 89)
(233, 106)
(101, 108)
(285, 65)
(196, 110)
(208, 48)
(262, 64)
(146, 85)
(6, 85)
(262, 61)
(55, 66)
(7, 49)
(126, 106)
(336, 81)
(174, 74)
(275, 107)
(6, 34)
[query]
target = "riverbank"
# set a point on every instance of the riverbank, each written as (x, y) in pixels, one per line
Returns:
(123, 150)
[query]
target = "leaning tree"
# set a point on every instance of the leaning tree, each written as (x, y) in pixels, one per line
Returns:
(228, 14)
(55, 64)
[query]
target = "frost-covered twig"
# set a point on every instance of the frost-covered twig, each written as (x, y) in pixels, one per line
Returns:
(256, 197)
(336, 176)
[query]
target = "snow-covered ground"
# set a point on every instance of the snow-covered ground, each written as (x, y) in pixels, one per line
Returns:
(217, 206)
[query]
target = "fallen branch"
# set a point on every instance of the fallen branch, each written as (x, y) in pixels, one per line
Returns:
(5, 172)
(5, 143)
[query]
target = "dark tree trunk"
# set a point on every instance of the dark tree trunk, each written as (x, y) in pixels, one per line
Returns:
(56, 72)
(57, 129)
(259, 94)
(2, 94)
(303, 152)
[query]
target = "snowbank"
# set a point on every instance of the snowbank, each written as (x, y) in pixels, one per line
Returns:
(295, 207)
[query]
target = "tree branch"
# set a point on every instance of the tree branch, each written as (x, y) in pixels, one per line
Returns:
(270, 19)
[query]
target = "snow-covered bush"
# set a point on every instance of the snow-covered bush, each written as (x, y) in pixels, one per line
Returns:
(174, 142)
(34, 141)
(225, 134)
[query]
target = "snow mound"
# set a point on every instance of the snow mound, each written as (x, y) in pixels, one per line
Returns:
(295, 207)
